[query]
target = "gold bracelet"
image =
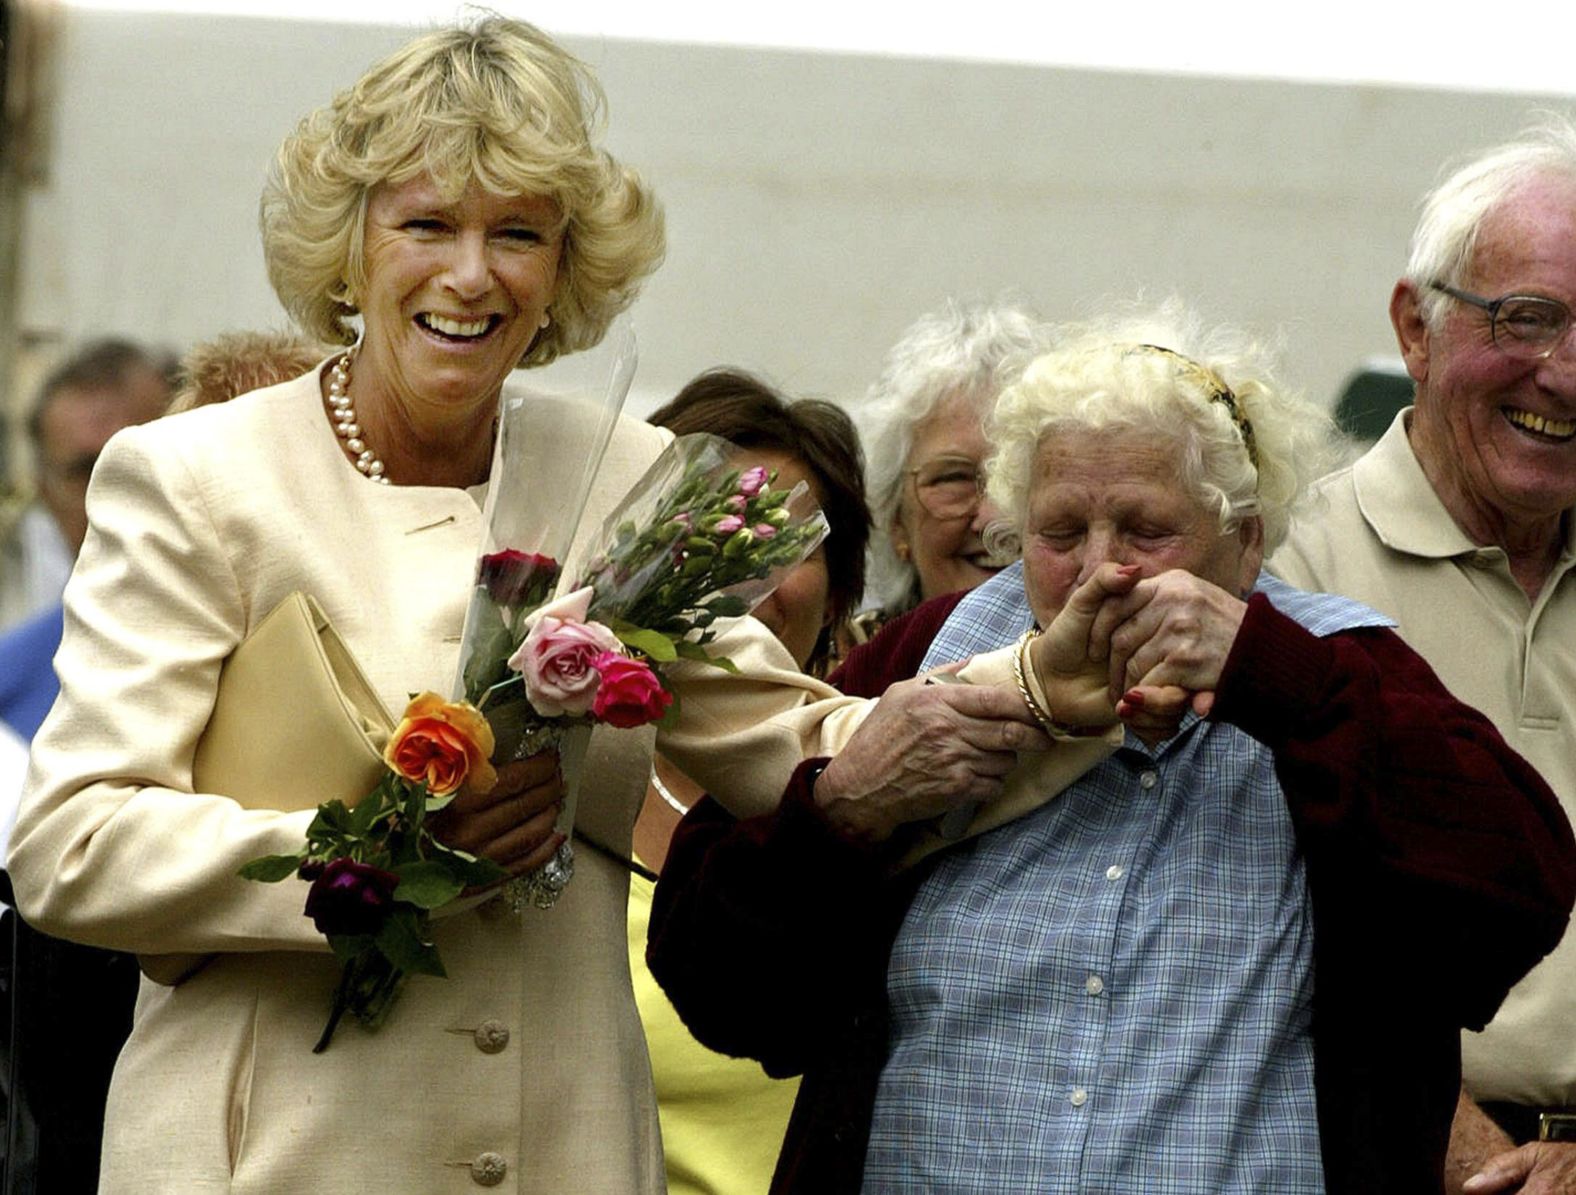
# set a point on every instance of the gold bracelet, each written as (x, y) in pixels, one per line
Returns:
(1057, 730)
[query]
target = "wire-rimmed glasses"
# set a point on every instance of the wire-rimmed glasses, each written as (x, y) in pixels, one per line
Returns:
(1529, 327)
(948, 487)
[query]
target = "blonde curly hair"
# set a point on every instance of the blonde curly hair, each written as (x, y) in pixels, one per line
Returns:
(500, 104)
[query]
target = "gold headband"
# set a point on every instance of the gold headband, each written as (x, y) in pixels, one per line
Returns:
(1216, 389)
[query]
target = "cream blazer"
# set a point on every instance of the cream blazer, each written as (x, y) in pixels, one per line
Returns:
(526, 1070)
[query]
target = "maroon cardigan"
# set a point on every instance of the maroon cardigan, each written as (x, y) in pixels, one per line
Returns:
(1440, 870)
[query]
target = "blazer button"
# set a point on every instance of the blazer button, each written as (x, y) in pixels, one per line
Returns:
(488, 1169)
(491, 1036)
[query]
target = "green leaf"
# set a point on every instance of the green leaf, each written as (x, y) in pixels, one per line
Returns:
(428, 884)
(347, 946)
(653, 644)
(332, 819)
(402, 944)
(726, 605)
(468, 869)
(694, 651)
(270, 869)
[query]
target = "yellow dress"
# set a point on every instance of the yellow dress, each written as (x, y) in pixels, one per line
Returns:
(722, 1118)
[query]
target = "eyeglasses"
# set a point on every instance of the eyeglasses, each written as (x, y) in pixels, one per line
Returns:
(1528, 327)
(948, 487)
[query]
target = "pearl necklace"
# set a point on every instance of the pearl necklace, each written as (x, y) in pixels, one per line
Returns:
(345, 419)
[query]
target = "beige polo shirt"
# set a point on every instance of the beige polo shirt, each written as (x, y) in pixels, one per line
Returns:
(1379, 533)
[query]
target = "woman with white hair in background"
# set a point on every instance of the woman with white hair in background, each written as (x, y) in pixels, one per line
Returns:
(1236, 952)
(923, 419)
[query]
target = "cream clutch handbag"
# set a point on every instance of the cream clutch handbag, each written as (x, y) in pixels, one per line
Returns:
(330, 744)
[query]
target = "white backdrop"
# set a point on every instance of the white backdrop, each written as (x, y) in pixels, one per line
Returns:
(816, 202)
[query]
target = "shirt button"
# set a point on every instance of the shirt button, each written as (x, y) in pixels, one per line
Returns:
(1115, 872)
(1078, 1098)
(491, 1036)
(1148, 780)
(488, 1169)
(1094, 985)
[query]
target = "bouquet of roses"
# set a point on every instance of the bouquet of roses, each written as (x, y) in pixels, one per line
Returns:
(376, 872)
(695, 541)
(375, 868)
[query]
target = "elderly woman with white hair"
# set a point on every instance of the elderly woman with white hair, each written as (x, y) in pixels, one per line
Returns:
(1229, 955)
(925, 442)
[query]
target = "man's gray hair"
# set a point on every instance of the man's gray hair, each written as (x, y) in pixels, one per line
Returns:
(1447, 229)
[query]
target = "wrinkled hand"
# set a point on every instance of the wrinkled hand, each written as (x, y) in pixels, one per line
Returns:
(512, 824)
(924, 750)
(1173, 631)
(1537, 1168)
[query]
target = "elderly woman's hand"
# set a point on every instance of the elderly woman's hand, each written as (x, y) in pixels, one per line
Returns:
(1070, 669)
(1173, 631)
(924, 750)
(512, 824)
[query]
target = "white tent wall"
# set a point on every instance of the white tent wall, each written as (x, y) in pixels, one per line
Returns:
(816, 202)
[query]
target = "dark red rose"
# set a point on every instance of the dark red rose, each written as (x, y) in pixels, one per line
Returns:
(517, 578)
(350, 897)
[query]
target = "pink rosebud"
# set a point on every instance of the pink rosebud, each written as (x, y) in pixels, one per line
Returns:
(737, 503)
(764, 531)
(728, 524)
(630, 693)
(557, 663)
(752, 481)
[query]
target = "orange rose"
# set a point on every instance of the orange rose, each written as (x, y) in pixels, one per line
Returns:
(443, 743)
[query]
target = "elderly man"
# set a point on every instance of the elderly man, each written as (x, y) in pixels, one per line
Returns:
(104, 386)
(1458, 525)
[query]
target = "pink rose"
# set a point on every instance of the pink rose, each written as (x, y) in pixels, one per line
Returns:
(630, 693)
(764, 531)
(752, 481)
(728, 524)
(557, 659)
(737, 504)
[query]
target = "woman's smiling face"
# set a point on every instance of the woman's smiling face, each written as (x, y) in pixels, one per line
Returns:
(948, 552)
(455, 292)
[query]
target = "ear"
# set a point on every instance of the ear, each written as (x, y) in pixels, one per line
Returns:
(1411, 334)
(1251, 536)
(899, 537)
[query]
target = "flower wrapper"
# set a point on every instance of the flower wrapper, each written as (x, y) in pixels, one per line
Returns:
(695, 540)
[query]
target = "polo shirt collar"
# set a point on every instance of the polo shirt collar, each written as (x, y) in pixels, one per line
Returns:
(1400, 504)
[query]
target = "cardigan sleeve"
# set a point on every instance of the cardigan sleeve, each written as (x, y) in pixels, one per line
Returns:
(112, 847)
(1438, 856)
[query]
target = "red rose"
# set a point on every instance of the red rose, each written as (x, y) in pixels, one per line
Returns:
(514, 578)
(630, 693)
(350, 898)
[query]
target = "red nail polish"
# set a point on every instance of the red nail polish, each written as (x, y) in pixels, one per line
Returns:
(1133, 697)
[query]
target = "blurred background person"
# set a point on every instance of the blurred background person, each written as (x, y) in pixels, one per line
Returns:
(723, 1118)
(922, 422)
(101, 387)
(239, 362)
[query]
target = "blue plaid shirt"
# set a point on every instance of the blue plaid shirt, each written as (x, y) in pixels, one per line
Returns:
(1112, 993)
